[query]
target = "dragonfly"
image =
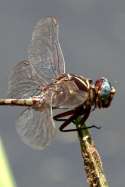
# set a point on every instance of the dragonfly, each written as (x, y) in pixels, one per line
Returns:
(41, 84)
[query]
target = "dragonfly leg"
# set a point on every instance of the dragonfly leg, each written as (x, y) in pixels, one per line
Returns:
(75, 116)
(62, 119)
(92, 126)
(58, 117)
(84, 119)
(79, 110)
(66, 123)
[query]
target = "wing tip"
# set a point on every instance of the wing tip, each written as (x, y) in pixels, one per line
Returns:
(50, 19)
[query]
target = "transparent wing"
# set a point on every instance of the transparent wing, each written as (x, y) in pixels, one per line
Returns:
(45, 52)
(45, 62)
(24, 81)
(36, 128)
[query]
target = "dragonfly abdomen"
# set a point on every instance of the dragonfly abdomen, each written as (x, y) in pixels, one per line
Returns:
(18, 102)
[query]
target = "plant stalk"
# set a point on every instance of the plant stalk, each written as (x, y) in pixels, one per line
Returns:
(91, 158)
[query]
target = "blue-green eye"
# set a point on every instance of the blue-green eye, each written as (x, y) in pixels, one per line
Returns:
(105, 88)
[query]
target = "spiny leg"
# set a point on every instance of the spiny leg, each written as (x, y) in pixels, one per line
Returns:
(67, 122)
(85, 117)
(75, 114)
(92, 126)
(58, 117)
(82, 121)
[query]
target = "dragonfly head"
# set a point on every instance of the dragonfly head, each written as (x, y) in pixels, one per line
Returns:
(105, 92)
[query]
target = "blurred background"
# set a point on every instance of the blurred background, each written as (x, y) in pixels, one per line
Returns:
(92, 36)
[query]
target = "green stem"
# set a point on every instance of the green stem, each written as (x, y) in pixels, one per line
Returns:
(91, 159)
(6, 179)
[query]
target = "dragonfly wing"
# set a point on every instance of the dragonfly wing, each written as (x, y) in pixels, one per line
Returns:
(45, 61)
(45, 52)
(24, 81)
(36, 128)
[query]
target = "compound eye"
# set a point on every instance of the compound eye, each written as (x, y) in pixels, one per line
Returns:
(105, 92)
(105, 89)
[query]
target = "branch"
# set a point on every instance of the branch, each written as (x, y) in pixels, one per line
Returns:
(91, 159)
